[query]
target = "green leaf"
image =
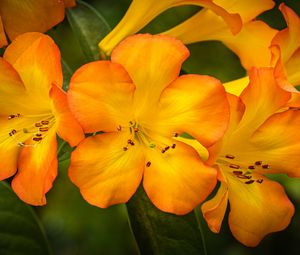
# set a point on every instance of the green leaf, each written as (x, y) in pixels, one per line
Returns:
(20, 231)
(67, 73)
(157, 232)
(89, 26)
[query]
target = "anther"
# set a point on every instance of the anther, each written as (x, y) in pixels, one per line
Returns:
(130, 142)
(173, 146)
(259, 180)
(176, 134)
(38, 135)
(119, 128)
(244, 176)
(125, 148)
(258, 163)
(168, 147)
(37, 139)
(251, 167)
(163, 151)
(237, 172)
(265, 166)
(43, 129)
(148, 164)
(45, 122)
(249, 182)
(234, 166)
(230, 156)
(12, 116)
(38, 124)
(12, 132)
(136, 130)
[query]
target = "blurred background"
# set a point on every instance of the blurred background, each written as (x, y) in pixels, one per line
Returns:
(74, 227)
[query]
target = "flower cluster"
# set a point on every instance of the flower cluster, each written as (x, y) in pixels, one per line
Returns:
(135, 108)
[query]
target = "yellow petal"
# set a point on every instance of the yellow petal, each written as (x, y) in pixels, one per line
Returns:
(237, 86)
(141, 12)
(3, 40)
(104, 172)
(30, 15)
(152, 62)
(37, 60)
(173, 186)
(37, 169)
(196, 105)
(100, 96)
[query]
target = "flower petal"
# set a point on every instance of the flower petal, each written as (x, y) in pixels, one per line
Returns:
(104, 172)
(100, 96)
(196, 105)
(69, 3)
(292, 69)
(37, 60)
(257, 209)
(172, 185)
(152, 62)
(237, 86)
(67, 127)
(141, 12)
(3, 40)
(30, 15)
(37, 169)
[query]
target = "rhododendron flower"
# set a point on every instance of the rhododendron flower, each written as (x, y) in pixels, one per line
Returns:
(141, 12)
(33, 108)
(261, 139)
(141, 105)
(17, 17)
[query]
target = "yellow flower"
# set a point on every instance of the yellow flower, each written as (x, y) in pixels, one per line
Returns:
(33, 108)
(17, 17)
(261, 139)
(141, 105)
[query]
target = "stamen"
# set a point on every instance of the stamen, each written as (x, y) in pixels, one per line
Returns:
(168, 147)
(43, 129)
(130, 142)
(39, 135)
(259, 180)
(175, 134)
(265, 166)
(230, 156)
(37, 139)
(45, 122)
(234, 166)
(148, 164)
(237, 172)
(125, 148)
(258, 163)
(12, 116)
(173, 146)
(249, 182)
(12, 132)
(251, 167)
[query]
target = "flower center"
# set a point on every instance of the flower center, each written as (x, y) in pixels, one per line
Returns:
(144, 136)
(27, 130)
(241, 170)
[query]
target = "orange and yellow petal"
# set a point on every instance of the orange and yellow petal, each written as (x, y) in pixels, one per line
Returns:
(30, 15)
(105, 173)
(257, 209)
(172, 185)
(196, 105)
(101, 96)
(67, 126)
(37, 169)
(37, 60)
(3, 40)
(152, 62)
(141, 12)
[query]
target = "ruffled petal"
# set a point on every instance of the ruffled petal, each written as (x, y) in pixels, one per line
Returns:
(196, 105)
(257, 209)
(37, 60)
(152, 62)
(67, 126)
(30, 15)
(140, 13)
(104, 172)
(37, 169)
(171, 184)
(100, 96)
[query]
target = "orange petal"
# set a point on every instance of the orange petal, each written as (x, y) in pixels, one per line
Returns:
(37, 60)
(257, 209)
(104, 172)
(67, 127)
(100, 96)
(288, 39)
(152, 62)
(37, 169)
(3, 40)
(70, 3)
(30, 15)
(172, 185)
(140, 13)
(262, 98)
(196, 105)
(277, 142)
(214, 210)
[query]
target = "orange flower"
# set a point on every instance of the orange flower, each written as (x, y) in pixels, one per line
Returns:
(141, 12)
(17, 17)
(141, 105)
(261, 139)
(33, 108)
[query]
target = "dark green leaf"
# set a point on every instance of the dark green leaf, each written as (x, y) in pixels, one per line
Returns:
(159, 233)
(89, 26)
(67, 73)
(20, 231)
